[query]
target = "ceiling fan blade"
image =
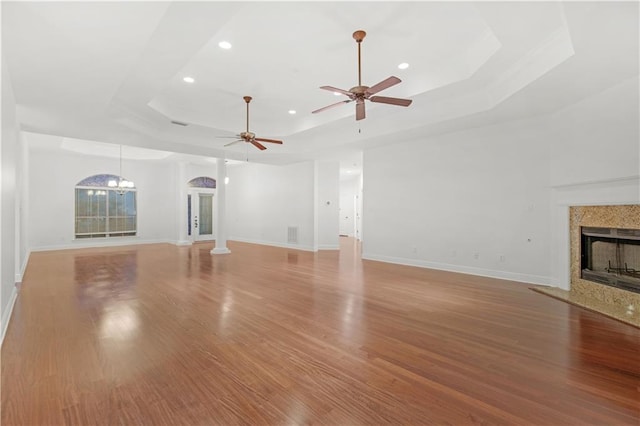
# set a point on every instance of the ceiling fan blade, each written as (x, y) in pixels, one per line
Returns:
(360, 110)
(384, 84)
(258, 145)
(331, 106)
(336, 90)
(228, 137)
(268, 140)
(391, 101)
(234, 142)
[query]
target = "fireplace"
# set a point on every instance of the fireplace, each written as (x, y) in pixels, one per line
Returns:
(611, 256)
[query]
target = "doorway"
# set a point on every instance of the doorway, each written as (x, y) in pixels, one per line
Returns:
(200, 220)
(347, 215)
(200, 211)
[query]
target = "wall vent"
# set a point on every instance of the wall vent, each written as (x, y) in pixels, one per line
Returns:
(292, 235)
(179, 123)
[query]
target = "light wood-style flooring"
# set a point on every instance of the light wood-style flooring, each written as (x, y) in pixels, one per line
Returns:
(166, 335)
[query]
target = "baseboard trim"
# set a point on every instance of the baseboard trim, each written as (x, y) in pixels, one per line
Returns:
(491, 273)
(23, 267)
(6, 317)
(77, 244)
(329, 247)
(271, 243)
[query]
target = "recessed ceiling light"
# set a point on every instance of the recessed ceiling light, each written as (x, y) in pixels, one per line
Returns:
(188, 79)
(403, 66)
(337, 93)
(225, 45)
(292, 111)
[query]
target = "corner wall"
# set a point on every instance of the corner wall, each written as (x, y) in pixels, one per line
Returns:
(327, 185)
(264, 200)
(10, 155)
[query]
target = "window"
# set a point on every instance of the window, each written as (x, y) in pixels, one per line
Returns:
(202, 182)
(104, 211)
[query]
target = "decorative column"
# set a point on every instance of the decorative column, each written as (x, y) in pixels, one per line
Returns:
(220, 209)
(181, 191)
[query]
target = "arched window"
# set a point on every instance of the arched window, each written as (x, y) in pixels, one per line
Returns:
(105, 207)
(202, 182)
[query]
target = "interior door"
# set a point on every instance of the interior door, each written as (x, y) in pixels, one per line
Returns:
(202, 217)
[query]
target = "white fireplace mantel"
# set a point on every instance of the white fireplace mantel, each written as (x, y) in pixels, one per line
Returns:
(624, 190)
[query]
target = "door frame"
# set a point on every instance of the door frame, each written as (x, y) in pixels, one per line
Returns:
(195, 208)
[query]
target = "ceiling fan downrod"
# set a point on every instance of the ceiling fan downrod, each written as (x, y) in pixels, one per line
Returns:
(358, 36)
(247, 99)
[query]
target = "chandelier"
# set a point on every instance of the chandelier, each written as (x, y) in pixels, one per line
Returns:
(121, 184)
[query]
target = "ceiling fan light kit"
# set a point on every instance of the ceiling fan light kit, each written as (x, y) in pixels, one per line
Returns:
(361, 93)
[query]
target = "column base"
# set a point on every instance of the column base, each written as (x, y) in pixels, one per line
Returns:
(220, 250)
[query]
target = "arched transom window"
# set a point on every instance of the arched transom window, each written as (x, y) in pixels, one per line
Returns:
(202, 182)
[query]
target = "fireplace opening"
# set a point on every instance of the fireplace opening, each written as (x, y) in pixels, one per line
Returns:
(611, 256)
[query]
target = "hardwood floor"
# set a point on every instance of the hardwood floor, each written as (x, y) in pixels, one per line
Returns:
(165, 335)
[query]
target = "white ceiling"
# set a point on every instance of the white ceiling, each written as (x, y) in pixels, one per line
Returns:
(112, 71)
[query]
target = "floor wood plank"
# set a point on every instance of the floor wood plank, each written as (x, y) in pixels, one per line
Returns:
(159, 334)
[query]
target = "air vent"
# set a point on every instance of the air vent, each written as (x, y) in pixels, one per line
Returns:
(179, 123)
(292, 235)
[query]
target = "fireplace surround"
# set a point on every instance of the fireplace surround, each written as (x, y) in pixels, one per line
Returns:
(611, 233)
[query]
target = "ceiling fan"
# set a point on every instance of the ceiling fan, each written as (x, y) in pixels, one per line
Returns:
(359, 93)
(250, 137)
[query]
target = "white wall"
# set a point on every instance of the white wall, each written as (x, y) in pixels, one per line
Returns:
(263, 200)
(10, 156)
(348, 190)
(197, 170)
(22, 210)
(327, 204)
(360, 207)
(597, 139)
(482, 201)
(461, 201)
(53, 174)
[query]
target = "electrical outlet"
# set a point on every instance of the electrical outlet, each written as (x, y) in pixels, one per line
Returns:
(502, 258)
(476, 255)
(414, 249)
